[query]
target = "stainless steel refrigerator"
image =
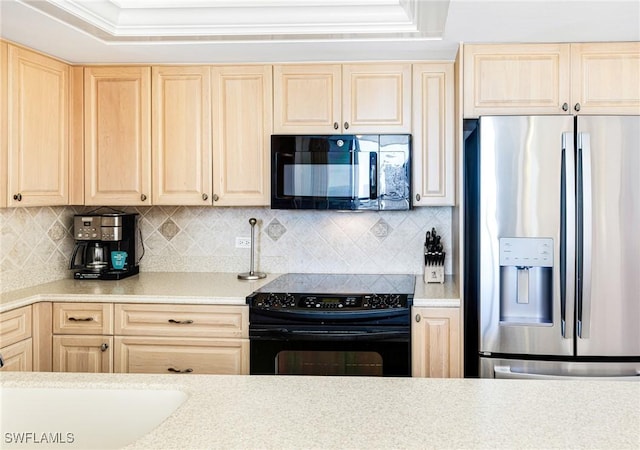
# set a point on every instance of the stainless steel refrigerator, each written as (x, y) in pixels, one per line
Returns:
(552, 246)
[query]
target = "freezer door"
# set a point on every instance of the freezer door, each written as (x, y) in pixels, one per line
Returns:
(608, 300)
(547, 370)
(527, 231)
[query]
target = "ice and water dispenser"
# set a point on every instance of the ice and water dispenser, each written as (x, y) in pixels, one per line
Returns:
(526, 280)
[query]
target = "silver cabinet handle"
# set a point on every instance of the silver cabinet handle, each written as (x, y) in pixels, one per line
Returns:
(418, 197)
(205, 197)
(335, 125)
(18, 197)
(143, 197)
(174, 370)
(81, 319)
(565, 106)
(346, 125)
(418, 318)
(104, 347)
(215, 197)
(577, 107)
(181, 322)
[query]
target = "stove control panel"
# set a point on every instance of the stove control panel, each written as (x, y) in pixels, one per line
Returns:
(324, 302)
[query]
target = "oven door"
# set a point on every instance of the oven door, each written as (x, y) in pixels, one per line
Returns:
(323, 172)
(330, 350)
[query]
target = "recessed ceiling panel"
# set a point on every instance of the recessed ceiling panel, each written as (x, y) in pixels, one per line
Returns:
(247, 20)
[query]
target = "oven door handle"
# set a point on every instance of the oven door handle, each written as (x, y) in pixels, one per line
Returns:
(327, 335)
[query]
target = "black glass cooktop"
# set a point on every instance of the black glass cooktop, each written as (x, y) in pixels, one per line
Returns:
(313, 283)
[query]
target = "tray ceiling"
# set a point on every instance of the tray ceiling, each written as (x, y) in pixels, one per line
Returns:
(174, 31)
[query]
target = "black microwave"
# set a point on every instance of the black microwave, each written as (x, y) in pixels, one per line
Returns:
(343, 172)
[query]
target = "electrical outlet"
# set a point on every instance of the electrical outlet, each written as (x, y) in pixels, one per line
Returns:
(243, 242)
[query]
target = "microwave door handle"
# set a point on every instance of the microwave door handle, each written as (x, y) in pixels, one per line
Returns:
(373, 176)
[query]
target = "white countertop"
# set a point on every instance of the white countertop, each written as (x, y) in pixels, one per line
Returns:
(250, 412)
(186, 288)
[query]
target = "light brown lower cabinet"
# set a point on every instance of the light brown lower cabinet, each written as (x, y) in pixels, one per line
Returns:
(78, 353)
(181, 355)
(16, 344)
(18, 356)
(435, 342)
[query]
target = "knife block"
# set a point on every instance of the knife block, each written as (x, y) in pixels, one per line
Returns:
(434, 274)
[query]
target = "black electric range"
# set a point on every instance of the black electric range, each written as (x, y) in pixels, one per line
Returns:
(359, 323)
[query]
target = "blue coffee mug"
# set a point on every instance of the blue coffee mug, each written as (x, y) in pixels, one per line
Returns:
(118, 259)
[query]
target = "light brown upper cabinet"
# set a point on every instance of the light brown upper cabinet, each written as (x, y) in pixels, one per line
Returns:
(181, 144)
(602, 78)
(242, 126)
(605, 78)
(516, 79)
(350, 98)
(4, 68)
(117, 121)
(433, 134)
(37, 129)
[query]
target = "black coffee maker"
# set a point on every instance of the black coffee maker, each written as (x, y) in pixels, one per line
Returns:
(106, 246)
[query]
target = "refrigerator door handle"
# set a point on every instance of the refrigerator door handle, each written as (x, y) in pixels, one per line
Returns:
(567, 237)
(505, 372)
(585, 234)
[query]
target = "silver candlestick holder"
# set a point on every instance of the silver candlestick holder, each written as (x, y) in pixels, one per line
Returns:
(251, 275)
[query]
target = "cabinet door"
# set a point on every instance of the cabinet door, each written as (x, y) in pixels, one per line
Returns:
(605, 78)
(92, 354)
(184, 355)
(181, 135)
(242, 121)
(376, 98)
(435, 341)
(15, 325)
(433, 135)
(4, 123)
(516, 79)
(307, 99)
(18, 357)
(38, 117)
(117, 120)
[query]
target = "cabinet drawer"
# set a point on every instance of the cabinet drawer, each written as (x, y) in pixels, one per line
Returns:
(185, 355)
(82, 318)
(221, 321)
(15, 326)
(18, 357)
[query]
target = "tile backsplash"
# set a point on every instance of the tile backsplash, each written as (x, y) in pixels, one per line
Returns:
(36, 243)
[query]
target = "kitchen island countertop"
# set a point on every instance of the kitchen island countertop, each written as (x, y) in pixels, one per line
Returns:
(250, 412)
(186, 288)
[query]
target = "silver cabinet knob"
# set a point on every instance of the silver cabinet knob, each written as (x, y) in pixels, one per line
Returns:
(18, 197)
(577, 107)
(335, 125)
(346, 125)
(565, 106)
(205, 197)
(143, 197)
(418, 197)
(215, 197)
(418, 318)
(104, 347)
